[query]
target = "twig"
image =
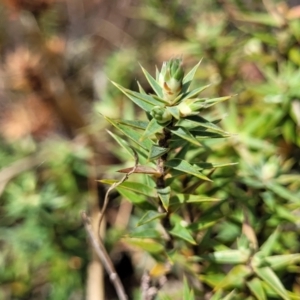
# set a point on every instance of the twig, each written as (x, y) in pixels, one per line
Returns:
(104, 258)
(114, 185)
(97, 242)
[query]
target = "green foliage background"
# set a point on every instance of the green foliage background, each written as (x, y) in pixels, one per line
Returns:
(249, 48)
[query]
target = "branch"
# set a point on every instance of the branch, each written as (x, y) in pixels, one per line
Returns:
(113, 186)
(104, 258)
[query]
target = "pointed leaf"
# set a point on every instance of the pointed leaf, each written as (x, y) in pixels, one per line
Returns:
(229, 256)
(278, 262)
(230, 296)
(145, 233)
(150, 216)
(122, 143)
(213, 101)
(235, 278)
(164, 196)
(136, 124)
(183, 233)
(144, 101)
(201, 133)
(186, 135)
(132, 134)
(194, 92)
(154, 84)
(180, 199)
(267, 274)
(141, 90)
(148, 245)
(268, 245)
(156, 74)
(283, 192)
(174, 111)
(188, 294)
(184, 166)
(152, 128)
(255, 286)
(156, 152)
(217, 296)
(135, 187)
(212, 279)
(206, 165)
(199, 121)
(187, 80)
(131, 196)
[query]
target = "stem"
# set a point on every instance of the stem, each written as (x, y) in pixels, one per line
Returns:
(160, 183)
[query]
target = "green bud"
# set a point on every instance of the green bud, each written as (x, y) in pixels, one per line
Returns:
(190, 107)
(161, 115)
(170, 79)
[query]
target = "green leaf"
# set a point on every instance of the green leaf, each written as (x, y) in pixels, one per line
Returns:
(150, 216)
(268, 245)
(136, 124)
(212, 279)
(278, 262)
(199, 133)
(255, 286)
(148, 245)
(267, 274)
(122, 143)
(164, 196)
(135, 187)
(207, 165)
(194, 92)
(184, 166)
(174, 111)
(141, 90)
(156, 152)
(132, 134)
(199, 121)
(180, 199)
(186, 135)
(145, 233)
(144, 101)
(187, 293)
(205, 222)
(183, 233)
(259, 18)
(152, 128)
(230, 295)
(217, 296)
(213, 101)
(283, 192)
(154, 84)
(131, 196)
(235, 278)
(229, 256)
(187, 80)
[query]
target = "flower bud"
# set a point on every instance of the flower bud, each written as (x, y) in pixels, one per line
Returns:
(190, 107)
(170, 79)
(162, 116)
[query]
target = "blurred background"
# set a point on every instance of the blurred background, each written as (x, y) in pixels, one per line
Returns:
(57, 57)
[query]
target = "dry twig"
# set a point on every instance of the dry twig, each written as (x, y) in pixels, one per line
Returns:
(113, 186)
(104, 258)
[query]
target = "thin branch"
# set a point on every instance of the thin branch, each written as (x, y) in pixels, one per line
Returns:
(104, 258)
(114, 185)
